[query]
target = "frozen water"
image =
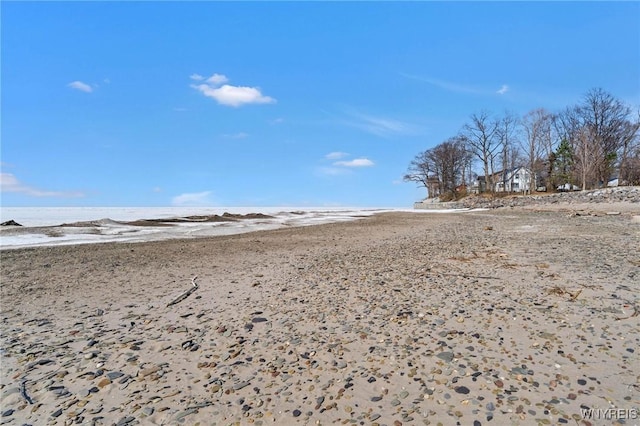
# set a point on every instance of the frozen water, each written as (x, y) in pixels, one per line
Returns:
(42, 226)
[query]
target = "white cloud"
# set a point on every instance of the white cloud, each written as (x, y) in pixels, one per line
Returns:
(229, 95)
(78, 85)
(335, 155)
(357, 162)
(196, 77)
(9, 183)
(504, 89)
(217, 79)
(194, 199)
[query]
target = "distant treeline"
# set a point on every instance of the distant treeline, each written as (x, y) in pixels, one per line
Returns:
(584, 146)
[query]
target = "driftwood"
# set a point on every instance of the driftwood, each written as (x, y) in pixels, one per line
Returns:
(186, 293)
(23, 392)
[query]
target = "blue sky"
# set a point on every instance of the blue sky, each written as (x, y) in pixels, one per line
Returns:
(279, 103)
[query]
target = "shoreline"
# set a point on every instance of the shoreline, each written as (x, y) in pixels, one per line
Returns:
(504, 315)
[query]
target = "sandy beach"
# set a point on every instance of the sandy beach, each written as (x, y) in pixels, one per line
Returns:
(508, 316)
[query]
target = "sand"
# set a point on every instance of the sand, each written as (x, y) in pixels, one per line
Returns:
(508, 316)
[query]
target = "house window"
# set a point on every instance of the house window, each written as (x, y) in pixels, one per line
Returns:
(517, 176)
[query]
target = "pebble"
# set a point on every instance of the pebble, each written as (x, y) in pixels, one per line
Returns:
(462, 389)
(445, 356)
(112, 375)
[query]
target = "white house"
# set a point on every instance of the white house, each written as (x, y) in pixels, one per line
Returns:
(510, 180)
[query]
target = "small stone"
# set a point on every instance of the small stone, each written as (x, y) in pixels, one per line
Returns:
(148, 371)
(241, 385)
(57, 413)
(125, 421)
(104, 382)
(112, 375)
(297, 413)
(461, 389)
(147, 411)
(445, 356)
(341, 364)
(8, 412)
(572, 396)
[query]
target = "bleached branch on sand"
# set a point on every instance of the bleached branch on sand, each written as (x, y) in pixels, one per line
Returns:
(186, 293)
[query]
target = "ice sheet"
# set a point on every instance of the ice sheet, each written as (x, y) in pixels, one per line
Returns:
(41, 226)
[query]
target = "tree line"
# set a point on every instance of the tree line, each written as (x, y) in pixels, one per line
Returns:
(583, 146)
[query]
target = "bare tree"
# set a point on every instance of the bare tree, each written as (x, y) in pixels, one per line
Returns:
(602, 125)
(506, 134)
(536, 127)
(440, 169)
(630, 150)
(450, 159)
(606, 118)
(586, 154)
(631, 169)
(420, 171)
(481, 138)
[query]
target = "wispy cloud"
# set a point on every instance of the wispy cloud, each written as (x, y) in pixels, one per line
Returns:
(356, 162)
(335, 155)
(192, 199)
(446, 85)
(378, 126)
(79, 85)
(239, 135)
(451, 86)
(196, 77)
(9, 183)
(226, 94)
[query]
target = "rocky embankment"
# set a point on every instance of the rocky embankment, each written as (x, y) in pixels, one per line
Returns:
(622, 194)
